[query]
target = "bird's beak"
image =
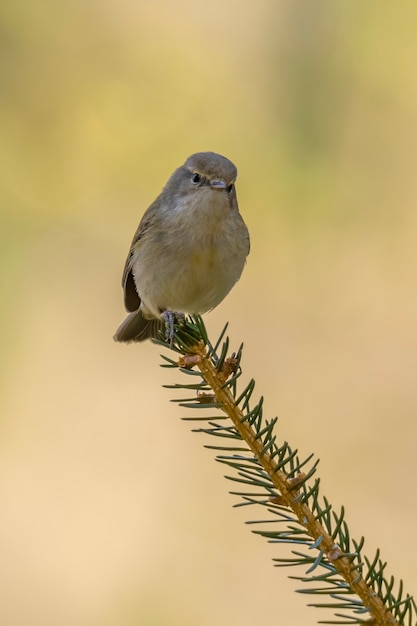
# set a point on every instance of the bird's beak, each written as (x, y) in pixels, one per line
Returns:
(218, 184)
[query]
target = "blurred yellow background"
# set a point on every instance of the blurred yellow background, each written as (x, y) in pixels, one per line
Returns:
(111, 512)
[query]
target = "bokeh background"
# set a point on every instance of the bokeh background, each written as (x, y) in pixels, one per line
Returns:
(112, 513)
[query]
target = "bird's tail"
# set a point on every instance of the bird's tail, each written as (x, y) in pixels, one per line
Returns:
(137, 328)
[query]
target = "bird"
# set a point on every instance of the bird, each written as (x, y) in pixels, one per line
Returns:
(188, 251)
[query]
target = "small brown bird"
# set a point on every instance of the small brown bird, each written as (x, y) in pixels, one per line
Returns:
(189, 249)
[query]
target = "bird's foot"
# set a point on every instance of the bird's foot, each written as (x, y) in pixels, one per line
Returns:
(169, 319)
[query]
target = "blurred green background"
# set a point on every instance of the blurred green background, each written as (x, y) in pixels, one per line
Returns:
(111, 513)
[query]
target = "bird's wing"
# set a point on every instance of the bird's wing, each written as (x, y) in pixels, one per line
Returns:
(131, 296)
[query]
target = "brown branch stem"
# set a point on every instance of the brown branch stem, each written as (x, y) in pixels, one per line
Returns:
(285, 485)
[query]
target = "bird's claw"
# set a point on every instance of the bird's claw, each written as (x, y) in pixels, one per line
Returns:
(169, 319)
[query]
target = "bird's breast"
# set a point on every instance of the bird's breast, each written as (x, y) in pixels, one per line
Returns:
(193, 262)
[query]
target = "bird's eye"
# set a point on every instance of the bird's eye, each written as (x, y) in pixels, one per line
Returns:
(196, 178)
(229, 188)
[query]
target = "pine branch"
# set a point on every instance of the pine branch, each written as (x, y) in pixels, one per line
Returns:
(279, 481)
